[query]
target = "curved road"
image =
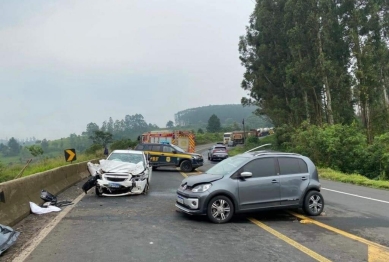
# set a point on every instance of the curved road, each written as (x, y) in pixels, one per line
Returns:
(355, 227)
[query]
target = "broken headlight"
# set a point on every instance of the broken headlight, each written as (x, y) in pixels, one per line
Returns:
(201, 188)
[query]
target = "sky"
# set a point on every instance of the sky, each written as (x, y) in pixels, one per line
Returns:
(64, 64)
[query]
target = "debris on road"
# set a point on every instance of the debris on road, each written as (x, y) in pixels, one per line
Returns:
(8, 237)
(43, 210)
(51, 200)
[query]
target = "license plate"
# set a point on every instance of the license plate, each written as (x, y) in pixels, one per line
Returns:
(180, 200)
(113, 185)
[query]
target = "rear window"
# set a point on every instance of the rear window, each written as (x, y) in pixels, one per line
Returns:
(220, 148)
(290, 165)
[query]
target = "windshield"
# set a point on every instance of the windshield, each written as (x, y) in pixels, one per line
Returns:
(178, 149)
(227, 166)
(126, 157)
(227, 135)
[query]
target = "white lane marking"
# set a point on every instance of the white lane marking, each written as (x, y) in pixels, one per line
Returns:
(31, 245)
(368, 198)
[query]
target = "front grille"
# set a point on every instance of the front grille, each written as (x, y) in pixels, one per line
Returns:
(115, 179)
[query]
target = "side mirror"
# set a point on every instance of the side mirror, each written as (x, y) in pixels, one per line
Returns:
(246, 174)
(174, 152)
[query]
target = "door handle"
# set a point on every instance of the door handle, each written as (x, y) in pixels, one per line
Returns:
(303, 178)
(274, 181)
(162, 154)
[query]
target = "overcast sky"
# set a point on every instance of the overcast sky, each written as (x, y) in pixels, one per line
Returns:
(64, 64)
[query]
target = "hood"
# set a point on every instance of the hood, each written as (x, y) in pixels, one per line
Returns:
(111, 166)
(204, 178)
(194, 154)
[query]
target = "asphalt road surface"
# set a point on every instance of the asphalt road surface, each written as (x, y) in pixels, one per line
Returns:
(354, 227)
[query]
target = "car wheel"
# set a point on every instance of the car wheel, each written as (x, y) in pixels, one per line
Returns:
(98, 191)
(313, 203)
(186, 166)
(154, 168)
(220, 209)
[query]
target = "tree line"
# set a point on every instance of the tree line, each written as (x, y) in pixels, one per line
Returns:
(319, 61)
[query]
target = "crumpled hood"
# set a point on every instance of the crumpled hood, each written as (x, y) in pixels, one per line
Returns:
(199, 179)
(111, 166)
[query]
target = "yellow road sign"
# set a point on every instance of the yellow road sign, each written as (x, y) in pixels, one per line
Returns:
(70, 155)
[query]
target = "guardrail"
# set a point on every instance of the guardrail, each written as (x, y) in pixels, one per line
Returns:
(15, 195)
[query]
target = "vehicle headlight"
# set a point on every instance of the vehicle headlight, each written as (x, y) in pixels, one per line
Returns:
(201, 188)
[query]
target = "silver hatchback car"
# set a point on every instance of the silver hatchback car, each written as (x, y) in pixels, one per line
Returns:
(252, 181)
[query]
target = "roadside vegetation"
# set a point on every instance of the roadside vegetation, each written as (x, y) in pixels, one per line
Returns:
(339, 157)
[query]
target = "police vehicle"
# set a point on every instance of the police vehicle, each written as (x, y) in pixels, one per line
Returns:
(166, 154)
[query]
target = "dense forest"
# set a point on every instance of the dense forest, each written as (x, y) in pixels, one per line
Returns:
(228, 115)
(320, 70)
(320, 61)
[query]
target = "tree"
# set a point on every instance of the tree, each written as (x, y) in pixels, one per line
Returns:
(214, 124)
(170, 124)
(14, 147)
(90, 128)
(200, 131)
(4, 149)
(101, 138)
(45, 145)
(35, 150)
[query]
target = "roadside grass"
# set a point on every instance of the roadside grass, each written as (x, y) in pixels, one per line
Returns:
(324, 173)
(207, 138)
(41, 165)
(356, 179)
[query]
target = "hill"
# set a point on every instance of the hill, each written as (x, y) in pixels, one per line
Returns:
(228, 115)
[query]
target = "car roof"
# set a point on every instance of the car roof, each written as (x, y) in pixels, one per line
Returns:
(128, 151)
(270, 153)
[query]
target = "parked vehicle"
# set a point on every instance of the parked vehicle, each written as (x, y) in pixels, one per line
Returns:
(252, 181)
(165, 154)
(217, 152)
(124, 172)
(226, 138)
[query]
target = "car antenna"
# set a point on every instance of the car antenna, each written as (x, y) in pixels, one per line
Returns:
(258, 147)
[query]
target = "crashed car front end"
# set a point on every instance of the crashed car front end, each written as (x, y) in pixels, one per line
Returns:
(121, 184)
(115, 178)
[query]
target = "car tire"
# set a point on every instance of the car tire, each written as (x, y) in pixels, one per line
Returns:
(313, 203)
(220, 216)
(186, 166)
(154, 168)
(98, 191)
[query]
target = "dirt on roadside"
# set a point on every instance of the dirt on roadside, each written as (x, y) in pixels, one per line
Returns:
(30, 227)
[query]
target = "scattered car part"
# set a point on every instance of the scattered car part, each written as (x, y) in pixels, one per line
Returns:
(8, 237)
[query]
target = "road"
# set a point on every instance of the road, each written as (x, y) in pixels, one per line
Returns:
(355, 227)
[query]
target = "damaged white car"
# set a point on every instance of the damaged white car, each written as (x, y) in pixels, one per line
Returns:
(124, 172)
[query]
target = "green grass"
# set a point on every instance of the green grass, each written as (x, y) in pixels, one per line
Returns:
(40, 165)
(207, 138)
(356, 179)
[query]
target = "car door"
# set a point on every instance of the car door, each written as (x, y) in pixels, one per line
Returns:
(155, 153)
(262, 189)
(294, 179)
(167, 156)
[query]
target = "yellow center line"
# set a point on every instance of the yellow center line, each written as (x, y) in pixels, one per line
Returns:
(291, 242)
(183, 174)
(376, 252)
(338, 231)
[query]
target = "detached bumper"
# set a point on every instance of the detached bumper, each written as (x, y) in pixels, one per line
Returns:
(121, 188)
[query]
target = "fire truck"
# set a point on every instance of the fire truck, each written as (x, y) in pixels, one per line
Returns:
(182, 139)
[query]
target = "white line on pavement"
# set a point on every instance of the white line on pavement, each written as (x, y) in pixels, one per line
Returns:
(368, 198)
